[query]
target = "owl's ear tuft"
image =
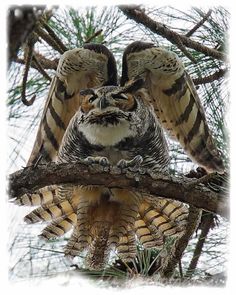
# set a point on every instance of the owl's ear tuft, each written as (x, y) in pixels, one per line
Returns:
(134, 86)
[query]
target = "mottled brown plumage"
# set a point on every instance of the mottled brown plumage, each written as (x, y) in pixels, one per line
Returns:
(88, 118)
(175, 100)
(79, 68)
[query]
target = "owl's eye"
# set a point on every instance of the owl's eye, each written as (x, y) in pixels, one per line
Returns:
(120, 96)
(92, 98)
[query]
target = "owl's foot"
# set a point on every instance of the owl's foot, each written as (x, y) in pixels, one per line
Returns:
(132, 165)
(131, 168)
(99, 163)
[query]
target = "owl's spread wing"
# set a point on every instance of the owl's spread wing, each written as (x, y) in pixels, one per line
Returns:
(79, 68)
(175, 100)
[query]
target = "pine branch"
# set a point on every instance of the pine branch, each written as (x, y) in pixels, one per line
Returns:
(46, 63)
(208, 221)
(49, 39)
(140, 17)
(199, 24)
(88, 40)
(178, 188)
(54, 36)
(29, 52)
(208, 79)
(40, 68)
(181, 243)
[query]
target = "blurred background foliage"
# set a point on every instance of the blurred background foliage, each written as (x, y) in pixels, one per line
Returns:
(109, 26)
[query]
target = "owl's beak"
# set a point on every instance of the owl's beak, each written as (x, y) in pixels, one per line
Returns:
(103, 103)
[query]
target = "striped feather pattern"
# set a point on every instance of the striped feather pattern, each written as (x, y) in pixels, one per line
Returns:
(59, 227)
(147, 236)
(79, 68)
(175, 100)
(126, 248)
(103, 220)
(49, 212)
(42, 196)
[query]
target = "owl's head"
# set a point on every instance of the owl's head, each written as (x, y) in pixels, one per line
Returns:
(111, 113)
(109, 101)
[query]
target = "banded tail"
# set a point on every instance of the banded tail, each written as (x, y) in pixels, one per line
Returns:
(103, 220)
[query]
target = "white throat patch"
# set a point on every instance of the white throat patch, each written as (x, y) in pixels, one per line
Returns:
(106, 135)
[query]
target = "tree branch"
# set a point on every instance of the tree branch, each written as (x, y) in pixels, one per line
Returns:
(178, 188)
(46, 63)
(181, 243)
(139, 16)
(208, 222)
(88, 40)
(208, 79)
(199, 24)
(54, 37)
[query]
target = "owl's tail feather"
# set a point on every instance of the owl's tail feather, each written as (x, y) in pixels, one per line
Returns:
(42, 196)
(80, 237)
(78, 241)
(174, 210)
(49, 212)
(125, 220)
(160, 218)
(155, 218)
(126, 248)
(147, 236)
(59, 227)
(98, 252)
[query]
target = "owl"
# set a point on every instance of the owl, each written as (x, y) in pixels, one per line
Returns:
(89, 118)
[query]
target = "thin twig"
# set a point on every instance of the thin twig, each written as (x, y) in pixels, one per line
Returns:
(180, 270)
(46, 63)
(93, 36)
(203, 179)
(199, 24)
(47, 38)
(28, 59)
(208, 79)
(180, 45)
(181, 243)
(55, 37)
(41, 69)
(138, 15)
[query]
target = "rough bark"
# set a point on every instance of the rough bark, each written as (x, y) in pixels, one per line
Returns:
(178, 188)
(208, 222)
(139, 16)
(181, 243)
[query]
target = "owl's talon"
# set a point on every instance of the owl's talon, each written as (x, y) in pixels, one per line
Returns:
(133, 163)
(100, 163)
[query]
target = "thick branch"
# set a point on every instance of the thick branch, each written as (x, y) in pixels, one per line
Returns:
(31, 178)
(139, 16)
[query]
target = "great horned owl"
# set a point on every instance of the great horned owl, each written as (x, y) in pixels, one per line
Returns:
(121, 126)
(115, 126)
(171, 92)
